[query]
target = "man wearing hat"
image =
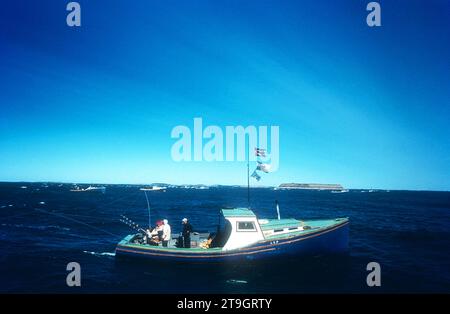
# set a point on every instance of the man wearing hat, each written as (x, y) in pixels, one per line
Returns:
(187, 230)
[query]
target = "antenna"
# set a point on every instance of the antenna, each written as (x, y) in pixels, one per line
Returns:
(278, 209)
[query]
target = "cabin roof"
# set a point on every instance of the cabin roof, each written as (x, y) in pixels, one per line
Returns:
(279, 224)
(237, 212)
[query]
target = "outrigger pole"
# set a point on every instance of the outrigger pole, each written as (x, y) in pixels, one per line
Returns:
(149, 214)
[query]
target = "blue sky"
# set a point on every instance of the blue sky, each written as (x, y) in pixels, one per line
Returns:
(364, 107)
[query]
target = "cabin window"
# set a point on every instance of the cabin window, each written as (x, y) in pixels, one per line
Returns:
(295, 228)
(278, 230)
(246, 226)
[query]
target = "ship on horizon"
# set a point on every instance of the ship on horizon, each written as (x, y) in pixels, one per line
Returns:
(89, 188)
(154, 188)
(310, 186)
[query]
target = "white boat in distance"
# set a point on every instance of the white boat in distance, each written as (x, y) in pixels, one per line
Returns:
(154, 188)
(89, 188)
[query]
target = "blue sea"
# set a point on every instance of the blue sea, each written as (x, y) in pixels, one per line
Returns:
(44, 226)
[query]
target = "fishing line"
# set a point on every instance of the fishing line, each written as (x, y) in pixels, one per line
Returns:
(18, 215)
(77, 221)
(92, 217)
(65, 216)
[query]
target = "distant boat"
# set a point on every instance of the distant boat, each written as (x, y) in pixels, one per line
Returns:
(90, 188)
(154, 188)
(310, 186)
(241, 235)
(340, 191)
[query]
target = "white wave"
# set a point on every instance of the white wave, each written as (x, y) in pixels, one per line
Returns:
(100, 254)
(237, 281)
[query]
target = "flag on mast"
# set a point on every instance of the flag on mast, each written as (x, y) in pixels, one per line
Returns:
(256, 175)
(260, 152)
(263, 167)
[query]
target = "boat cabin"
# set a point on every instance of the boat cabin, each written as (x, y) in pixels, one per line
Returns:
(245, 229)
(242, 228)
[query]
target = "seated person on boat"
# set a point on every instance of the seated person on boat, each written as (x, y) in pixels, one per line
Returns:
(154, 236)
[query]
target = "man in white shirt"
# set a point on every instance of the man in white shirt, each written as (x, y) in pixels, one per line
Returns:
(166, 233)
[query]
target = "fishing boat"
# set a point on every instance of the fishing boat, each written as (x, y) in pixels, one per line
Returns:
(241, 235)
(89, 188)
(340, 191)
(154, 188)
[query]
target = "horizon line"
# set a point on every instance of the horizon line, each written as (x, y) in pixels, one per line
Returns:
(218, 184)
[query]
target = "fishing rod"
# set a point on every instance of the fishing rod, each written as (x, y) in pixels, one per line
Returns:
(131, 226)
(130, 223)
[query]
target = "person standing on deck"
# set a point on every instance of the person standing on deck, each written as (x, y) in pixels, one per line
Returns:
(166, 233)
(187, 230)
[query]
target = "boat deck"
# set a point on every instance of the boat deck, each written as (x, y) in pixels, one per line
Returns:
(286, 228)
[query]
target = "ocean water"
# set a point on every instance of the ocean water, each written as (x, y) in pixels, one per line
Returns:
(43, 227)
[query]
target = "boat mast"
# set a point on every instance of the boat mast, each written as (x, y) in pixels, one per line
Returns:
(248, 175)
